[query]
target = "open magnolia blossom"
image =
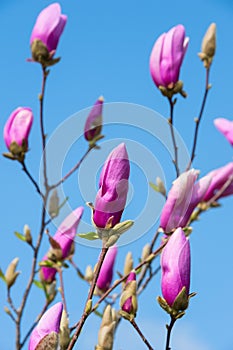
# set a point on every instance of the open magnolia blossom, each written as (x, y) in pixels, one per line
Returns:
(182, 199)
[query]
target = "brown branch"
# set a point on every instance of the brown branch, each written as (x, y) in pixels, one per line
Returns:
(87, 309)
(170, 121)
(169, 329)
(134, 324)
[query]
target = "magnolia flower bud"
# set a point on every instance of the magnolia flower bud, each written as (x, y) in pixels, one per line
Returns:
(54, 204)
(46, 33)
(46, 332)
(16, 132)
(145, 252)
(106, 272)
(106, 332)
(64, 338)
(167, 56)
(128, 301)
(11, 274)
(27, 234)
(225, 127)
(93, 123)
(161, 187)
(128, 267)
(64, 239)
(113, 187)
(208, 46)
(175, 264)
(89, 274)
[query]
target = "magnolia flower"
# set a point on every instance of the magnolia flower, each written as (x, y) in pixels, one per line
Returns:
(46, 332)
(46, 32)
(106, 272)
(64, 237)
(225, 127)
(93, 124)
(175, 264)
(17, 128)
(182, 199)
(167, 56)
(113, 187)
(219, 177)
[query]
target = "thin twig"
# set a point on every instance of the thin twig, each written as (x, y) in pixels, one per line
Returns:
(170, 121)
(87, 308)
(43, 216)
(134, 324)
(25, 169)
(198, 120)
(62, 290)
(149, 278)
(169, 329)
(10, 301)
(72, 170)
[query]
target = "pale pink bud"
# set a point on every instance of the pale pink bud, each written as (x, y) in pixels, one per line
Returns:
(167, 56)
(48, 324)
(113, 187)
(18, 126)
(49, 26)
(225, 127)
(64, 237)
(106, 273)
(175, 264)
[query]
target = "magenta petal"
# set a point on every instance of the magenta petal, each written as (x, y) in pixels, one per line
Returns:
(155, 60)
(112, 195)
(94, 120)
(225, 127)
(49, 322)
(49, 26)
(106, 273)
(127, 306)
(175, 264)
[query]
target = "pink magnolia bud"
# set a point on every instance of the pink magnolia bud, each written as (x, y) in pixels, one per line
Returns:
(127, 306)
(219, 177)
(106, 273)
(167, 56)
(175, 264)
(64, 237)
(93, 124)
(113, 187)
(225, 127)
(182, 199)
(18, 126)
(49, 26)
(49, 324)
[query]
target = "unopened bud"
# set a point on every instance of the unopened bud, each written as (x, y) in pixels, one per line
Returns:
(161, 187)
(208, 46)
(51, 290)
(128, 301)
(145, 252)
(64, 338)
(128, 267)
(27, 234)
(54, 204)
(106, 332)
(89, 274)
(10, 274)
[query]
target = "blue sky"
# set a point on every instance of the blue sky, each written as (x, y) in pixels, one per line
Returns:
(105, 50)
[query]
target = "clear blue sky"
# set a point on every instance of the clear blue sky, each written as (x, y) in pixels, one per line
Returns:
(105, 50)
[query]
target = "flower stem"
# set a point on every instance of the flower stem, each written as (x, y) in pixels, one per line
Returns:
(25, 169)
(169, 329)
(170, 121)
(62, 290)
(87, 311)
(198, 120)
(134, 324)
(72, 170)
